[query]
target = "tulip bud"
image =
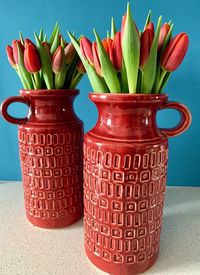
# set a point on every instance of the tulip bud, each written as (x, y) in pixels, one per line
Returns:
(108, 43)
(31, 57)
(97, 64)
(57, 60)
(163, 34)
(117, 51)
(80, 67)
(146, 43)
(15, 45)
(150, 27)
(175, 52)
(47, 48)
(86, 49)
(69, 53)
(9, 51)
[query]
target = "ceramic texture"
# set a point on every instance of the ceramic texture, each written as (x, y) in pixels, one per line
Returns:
(125, 168)
(50, 145)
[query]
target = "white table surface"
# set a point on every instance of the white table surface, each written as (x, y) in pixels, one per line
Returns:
(27, 250)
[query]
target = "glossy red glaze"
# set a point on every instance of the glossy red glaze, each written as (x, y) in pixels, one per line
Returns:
(50, 144)
(125, 166)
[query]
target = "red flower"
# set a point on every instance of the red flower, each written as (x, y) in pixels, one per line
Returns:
(31, 57)
(163, 34)
(15, 45)
(57, 60)
(9, 52)
(117, 51)
(96, 58)
(146, 43)
(86, 49)
(175, 52)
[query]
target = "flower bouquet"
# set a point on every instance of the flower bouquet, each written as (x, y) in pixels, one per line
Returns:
(132, 61)
(51, 135)
(50, 64)
(125, 154)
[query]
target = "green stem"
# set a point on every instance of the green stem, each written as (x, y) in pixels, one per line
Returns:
(159, 83)
(37, 80)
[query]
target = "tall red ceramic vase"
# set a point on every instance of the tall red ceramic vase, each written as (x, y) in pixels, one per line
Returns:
(125, 169)
(50, 144)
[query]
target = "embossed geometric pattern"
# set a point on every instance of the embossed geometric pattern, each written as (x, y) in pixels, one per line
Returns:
(51, 164)
(123, 200)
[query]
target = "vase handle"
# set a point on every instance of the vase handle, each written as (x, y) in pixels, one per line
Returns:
(185, 119)
(4, 109)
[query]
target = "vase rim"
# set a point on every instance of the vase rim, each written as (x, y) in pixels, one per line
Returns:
(122, 97)
(51, 92)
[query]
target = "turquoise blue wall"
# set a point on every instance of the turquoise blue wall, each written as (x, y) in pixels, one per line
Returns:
(81, 16)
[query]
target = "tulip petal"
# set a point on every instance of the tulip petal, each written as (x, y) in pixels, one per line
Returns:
(108, 71)
(46, 64)
(149, 71)
(131, 50)
(97, 82)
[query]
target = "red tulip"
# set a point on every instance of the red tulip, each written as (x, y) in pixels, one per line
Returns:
(117, 51)
(80, 67)
(69, 53)
(175, 52)
(47, 48)
(108, 44)
(96, 58)
(86, 49)
(146, 43)
(9, 51)
(163, 34)
(15, 45)
(31, 57)
(57, 60)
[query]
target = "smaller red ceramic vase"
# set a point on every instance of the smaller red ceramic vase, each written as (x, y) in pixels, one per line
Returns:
(125, 169)
(50, 145)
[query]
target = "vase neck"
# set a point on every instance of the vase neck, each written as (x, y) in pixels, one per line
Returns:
(51, 108)
(124, 119)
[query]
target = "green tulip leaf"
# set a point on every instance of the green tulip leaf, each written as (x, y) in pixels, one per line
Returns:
(55, 29)
(56, 42)
(148, 20)
(131, 51)
(41, 34)
(149, 71)
(46, 64)
(108, 34)
(21, 38)
(108, 71)
(97, 83)
(113, 28)
(124, 82)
